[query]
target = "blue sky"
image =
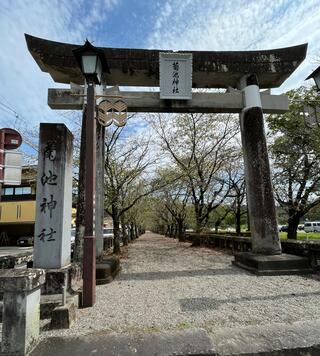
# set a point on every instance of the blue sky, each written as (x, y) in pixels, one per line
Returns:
(176, 24)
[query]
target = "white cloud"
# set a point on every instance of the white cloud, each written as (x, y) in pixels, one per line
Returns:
(232, 25)
(179, 24)
(23, 85)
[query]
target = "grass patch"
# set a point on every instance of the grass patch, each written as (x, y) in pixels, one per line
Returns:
(302, 235)
(183, 325)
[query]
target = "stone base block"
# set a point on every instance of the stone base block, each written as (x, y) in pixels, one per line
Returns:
(107, 269)
(50, 302)
(273, 265)
(7, 262)
(63, 317)
(70, 275)
(21, 317)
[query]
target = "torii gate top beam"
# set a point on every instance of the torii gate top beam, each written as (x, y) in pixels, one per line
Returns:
(140, 67)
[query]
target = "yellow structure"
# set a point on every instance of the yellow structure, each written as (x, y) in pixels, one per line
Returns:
(20, 212)
(18, 206)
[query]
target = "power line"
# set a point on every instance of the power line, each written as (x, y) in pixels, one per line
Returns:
(17, 116)
(6, 110)
(7, 103)
(9, 108)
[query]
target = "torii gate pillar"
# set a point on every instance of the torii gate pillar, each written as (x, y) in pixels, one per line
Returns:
(266, 257)
(262, 211)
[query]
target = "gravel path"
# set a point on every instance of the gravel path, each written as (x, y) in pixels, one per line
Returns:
(167, 285)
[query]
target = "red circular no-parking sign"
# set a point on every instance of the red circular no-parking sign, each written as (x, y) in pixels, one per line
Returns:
(12, 138)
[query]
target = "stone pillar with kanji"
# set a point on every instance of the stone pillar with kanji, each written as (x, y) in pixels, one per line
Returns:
(263, 219)
(52, 238)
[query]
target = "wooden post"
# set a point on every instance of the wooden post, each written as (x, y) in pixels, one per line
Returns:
(89, 261)
(100, 133)
(80, 222)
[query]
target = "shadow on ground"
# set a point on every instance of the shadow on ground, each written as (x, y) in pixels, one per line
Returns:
(197, 304)
(153, 276)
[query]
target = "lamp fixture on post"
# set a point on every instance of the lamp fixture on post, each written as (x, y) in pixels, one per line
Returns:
(91, 61)
(315, 75)
(93, 64)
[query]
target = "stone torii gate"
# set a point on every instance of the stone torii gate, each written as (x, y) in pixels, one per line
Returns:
(241, 73)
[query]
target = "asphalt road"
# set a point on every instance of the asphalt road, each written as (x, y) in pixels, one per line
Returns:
(181, 342)
(14, 250)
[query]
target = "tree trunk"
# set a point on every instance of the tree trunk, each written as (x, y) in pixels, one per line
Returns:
(180, 229)
(198, 225)
(131, 231)
(216, 226)
(171, 231)
(238, 220)
(176, 231)
(116, 229)
(125, 238)
(128, 230)
(80, 223)
(197, 213)
(294, 219)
